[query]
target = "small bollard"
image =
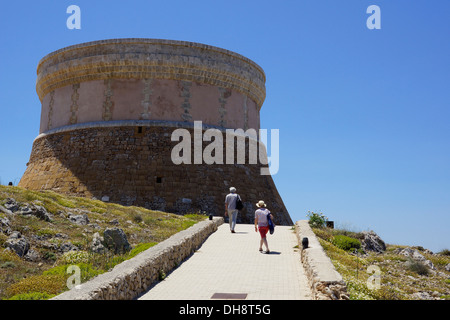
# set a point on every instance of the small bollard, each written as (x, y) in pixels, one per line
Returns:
(210, 217)
(305, 242)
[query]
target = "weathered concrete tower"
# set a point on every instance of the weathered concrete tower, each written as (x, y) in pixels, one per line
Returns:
(109, 109)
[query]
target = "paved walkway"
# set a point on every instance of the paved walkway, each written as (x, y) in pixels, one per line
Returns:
(231, 264)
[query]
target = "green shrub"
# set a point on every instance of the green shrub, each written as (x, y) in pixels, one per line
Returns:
(46, 232)
(417, 267)
(87, 271)
(317, 219)
(346, 243)
(32, 296)
(137, 218)
(6, 256)
(324, 233)
(49, 284)
(8, 264)
(49, 256)
(74, 257)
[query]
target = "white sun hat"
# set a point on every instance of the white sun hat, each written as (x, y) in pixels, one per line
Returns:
(261, 204)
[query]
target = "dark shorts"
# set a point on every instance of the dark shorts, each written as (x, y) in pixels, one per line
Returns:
(263, 231)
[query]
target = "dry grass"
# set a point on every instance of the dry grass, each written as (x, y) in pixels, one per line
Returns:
(399, 281)
(21, 279)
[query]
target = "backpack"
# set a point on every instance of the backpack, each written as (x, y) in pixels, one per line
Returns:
(271, 224)
(239, 204)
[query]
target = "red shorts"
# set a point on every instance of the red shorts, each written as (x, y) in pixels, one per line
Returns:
(263, 231)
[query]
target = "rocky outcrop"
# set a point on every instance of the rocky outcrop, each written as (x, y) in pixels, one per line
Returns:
(80, 219)
(17, 243)
(5, 225)
(97, 244)
(415, 255)
(35, 210)
(11, 205)
(116, 240)
(32, 255)
(372, 242)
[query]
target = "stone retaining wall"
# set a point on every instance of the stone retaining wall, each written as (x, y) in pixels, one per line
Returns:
(133, 277)
(325, 282)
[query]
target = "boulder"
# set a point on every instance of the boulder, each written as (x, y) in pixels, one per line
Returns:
(11, 204)
(5, 226)
(41, 213)
(413, 254)
(116, 240)
(80, 219)
(417, 256)
(68, 246)
(372, 242)
(32, 255)
(97, 244)
(17, 243)
(114, 222)
(429, 264)
(35, 210)
(25, 210)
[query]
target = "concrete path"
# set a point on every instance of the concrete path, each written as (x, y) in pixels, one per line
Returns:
(230, 264)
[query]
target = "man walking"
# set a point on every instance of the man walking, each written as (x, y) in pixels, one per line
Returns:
(230, 208)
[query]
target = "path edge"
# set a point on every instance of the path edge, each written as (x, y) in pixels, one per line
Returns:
(325, 282)
(131, 278)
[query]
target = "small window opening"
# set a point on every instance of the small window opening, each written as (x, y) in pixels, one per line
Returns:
(139, 129)
(158, 180)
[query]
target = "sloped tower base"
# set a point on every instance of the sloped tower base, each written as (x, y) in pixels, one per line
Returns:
(131, 164)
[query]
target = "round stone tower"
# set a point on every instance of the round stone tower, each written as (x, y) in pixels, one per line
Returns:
(109, 111)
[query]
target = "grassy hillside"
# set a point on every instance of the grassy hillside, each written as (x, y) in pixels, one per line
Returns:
(60, 241)
(401, 278)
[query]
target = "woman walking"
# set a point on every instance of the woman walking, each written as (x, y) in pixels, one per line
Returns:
(262, 224)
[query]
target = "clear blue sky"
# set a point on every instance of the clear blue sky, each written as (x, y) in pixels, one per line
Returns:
(364, 115)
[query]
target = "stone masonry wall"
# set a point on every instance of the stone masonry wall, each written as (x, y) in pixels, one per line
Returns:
(135, 276)
(132, 165)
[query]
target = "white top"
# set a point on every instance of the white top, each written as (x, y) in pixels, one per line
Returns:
(261, 214)
(230, 201)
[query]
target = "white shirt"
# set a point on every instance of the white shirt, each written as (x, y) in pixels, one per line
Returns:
(261, 214)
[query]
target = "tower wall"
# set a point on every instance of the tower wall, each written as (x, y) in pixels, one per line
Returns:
(109, 109)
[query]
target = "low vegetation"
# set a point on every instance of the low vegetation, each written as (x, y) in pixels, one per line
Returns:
(400, 277)
(46, 275)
